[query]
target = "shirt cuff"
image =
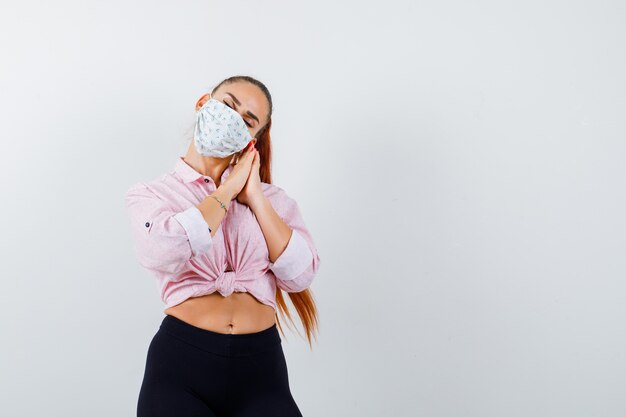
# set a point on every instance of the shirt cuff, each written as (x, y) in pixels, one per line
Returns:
(197, 229)
(294, 260)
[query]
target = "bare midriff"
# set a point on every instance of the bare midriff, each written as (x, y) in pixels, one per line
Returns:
(238, 313)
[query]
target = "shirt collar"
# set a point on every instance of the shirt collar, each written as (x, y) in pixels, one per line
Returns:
(188, 174)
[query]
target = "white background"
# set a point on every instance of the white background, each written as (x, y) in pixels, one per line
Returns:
(460, 165)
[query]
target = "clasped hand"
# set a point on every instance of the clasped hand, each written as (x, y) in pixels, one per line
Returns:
(244, 181)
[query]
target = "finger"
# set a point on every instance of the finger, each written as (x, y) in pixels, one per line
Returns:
(248, 158)
(244, 152)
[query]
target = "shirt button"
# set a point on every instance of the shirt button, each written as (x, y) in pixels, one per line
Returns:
(147, 224)
(206, 180)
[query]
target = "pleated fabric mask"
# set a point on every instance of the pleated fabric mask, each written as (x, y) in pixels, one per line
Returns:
(220, 131)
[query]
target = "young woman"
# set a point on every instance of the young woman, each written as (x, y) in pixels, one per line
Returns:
(222, 242)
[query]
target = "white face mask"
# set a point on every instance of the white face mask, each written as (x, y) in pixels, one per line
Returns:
(220, 131)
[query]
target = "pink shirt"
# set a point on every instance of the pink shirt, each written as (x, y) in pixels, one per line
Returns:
(172, 240)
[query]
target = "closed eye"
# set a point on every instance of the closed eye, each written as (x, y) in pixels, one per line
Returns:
(248, 124)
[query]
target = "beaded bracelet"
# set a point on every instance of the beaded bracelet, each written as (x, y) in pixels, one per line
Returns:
(221, 204)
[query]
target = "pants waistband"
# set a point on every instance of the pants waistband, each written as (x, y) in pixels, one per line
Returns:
(221, 343)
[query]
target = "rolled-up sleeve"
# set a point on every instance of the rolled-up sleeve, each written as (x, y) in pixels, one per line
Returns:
(197, 229)
(165, 239)
(299, 262)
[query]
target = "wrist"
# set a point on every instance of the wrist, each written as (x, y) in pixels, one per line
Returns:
(225, 192)
(257, 202)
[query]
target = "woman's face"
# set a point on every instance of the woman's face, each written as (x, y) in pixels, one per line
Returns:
(247, 100)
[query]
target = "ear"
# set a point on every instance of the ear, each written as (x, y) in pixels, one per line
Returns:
(206, 97)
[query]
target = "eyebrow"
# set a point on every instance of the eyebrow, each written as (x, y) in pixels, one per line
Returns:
(239, 104)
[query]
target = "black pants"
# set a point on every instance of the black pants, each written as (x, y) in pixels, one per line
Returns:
(193, 372)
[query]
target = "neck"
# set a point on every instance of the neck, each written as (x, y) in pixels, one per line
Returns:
(207, 165)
